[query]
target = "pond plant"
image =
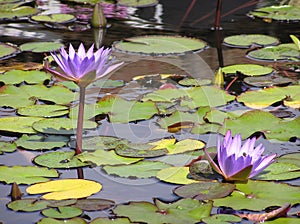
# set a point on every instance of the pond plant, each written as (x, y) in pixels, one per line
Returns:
(83, 68)
(248, 175)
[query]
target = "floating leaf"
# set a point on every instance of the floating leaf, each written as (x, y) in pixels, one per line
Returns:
(258, 195)
(18, 124)
(19, 76)
(279, 171)
(139, 151)
(26, 95)
(75, 220)
(290, 96)
(221, 219)
(260, 121)
(25, 174)
(65, 189)
(43, 110)
(28, 205)
(40, 142)
(185, 146)
(94, 204)
(59, 160)
(140, 3)
(282, 52)
(54, 18)
(282, 12)
(62, 212)
(100, 142)
(175, 175)
(61, 126)
(142, 169)
(159, 45)
(182, 211)
(205, 190)
(194, 82)
(40, 47)
(107, 221)
(7, 147)
(7, 50)
(268, 81)
(17, 12)
(247, 40)
(293, 158)
(247, 69)
(192, 97)
(284, 220)
(101, 157)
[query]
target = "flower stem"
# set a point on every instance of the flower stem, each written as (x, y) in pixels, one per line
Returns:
(80, 120)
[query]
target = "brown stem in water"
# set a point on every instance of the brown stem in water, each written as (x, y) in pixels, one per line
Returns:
(80, 120)
(218, 15)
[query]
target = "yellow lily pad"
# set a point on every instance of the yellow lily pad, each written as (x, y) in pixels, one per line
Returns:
(65, 189)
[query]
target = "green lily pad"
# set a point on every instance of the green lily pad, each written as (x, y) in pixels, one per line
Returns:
(260, 121)
(194, 82)
(25, 174)
(40, 47)
(40, 142)
(65, 160)
(12, 96)
(282, 13)
(54, 18)
(94, 204)
(258, 195)
(28, 205)
(140, 3)
(61, 126)
(100, 142)
(75, 220)
(107, 83)
(142, 169)
(62, 212)
(7, 147)
(159, 45)
(267, 81)
(279, 171)
(247, 69)
(19, 76)
(7, 50)
(18, 124)
(293, 158)
(17, 12)
(107, 221)
(101, 157)
(43, 110)
(205, 190)
(221, 219)
(192, 97)
(182, 211)
(282, 52)
(139, 151)
(175, 175)
(284, 220)
(247, 40)
(290, 95)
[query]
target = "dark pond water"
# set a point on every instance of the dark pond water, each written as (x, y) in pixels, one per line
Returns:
(168, 17)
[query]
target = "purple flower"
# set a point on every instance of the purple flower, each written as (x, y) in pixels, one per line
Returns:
(83, 67)
(239, 162)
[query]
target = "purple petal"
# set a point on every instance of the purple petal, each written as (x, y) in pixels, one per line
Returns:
(108, 70)
(71, 52)
(81, 51)
(213, 164)
(261, 164)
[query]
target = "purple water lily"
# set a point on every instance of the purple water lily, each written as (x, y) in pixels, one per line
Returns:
(239, 162)
(83, 67)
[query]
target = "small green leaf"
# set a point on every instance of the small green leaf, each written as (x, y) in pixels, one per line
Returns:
(175, 175)
(25, 174)
(247, 69)
(38, 142)
(142, 169)
(247, 40)
(140, 3)
(59, 160)
(221, 219)
(40, 47)
(7, 50)
(62, 212)
(28, 205)
(19, 76)
(113, 221)
(18, 124)
(94, 204)
(54, 18)
(75, 220)
(7, 147)
(43, 110)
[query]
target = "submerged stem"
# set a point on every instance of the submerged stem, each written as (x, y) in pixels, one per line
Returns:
(80, 120)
